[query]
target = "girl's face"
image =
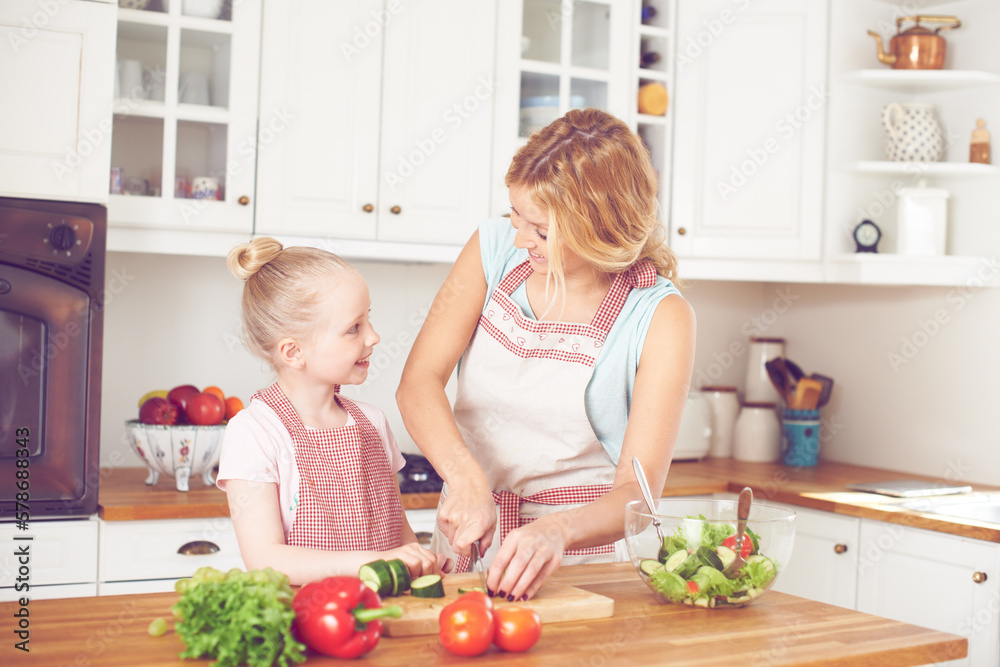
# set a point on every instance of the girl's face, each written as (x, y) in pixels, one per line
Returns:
(339, 348)
(532, 225)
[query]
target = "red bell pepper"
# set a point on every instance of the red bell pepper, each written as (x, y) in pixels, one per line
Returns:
(339, 616)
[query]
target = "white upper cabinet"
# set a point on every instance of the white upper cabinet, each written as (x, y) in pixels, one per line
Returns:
(56, 71)
(391, 109)
(750, 106)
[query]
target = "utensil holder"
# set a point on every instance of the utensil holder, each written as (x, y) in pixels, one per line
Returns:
(800, 435)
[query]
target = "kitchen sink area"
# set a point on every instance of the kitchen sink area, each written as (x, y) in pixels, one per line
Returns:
(978, 507)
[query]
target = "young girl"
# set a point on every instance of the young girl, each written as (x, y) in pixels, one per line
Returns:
(310, 475)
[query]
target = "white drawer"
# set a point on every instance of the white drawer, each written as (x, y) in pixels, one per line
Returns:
(61, 552)
(134, 550)
(50, 592)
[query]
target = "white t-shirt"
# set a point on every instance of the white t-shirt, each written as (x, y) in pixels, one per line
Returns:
(257, 447)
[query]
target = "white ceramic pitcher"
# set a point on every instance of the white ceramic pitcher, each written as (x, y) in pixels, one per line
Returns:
(912, 133)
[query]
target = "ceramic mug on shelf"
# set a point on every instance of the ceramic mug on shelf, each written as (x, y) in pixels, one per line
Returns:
(193, 88)
(204, 187)
(130, 80)
(912, 133)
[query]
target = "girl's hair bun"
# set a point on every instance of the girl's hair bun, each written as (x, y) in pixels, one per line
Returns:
(246, 259)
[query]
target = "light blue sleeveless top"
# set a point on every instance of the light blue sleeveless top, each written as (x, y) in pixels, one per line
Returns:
(609, 393)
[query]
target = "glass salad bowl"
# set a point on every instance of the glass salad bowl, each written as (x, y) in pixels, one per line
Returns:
(687, 566)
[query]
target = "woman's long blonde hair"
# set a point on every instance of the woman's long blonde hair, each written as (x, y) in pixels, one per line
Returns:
(595, 179)
(282, 289)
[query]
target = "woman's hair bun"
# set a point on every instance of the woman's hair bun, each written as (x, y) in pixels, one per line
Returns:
(246, 259)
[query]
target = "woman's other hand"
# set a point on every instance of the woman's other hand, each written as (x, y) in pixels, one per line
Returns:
(527, 557)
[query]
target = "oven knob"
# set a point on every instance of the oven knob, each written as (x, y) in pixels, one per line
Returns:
(62, 238)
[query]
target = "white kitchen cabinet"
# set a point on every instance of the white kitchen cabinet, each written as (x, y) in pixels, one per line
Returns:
(390, 112)
(56, 71)
(147, 556)
(192, 121)
(61, 559)
(824, 561)
(935, 580)
(749, 128)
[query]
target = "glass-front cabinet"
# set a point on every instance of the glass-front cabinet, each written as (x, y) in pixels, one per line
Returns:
(184, 138)
(555, 56)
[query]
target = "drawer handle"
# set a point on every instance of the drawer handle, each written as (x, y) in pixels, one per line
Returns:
(979, 577)
(198, 548)
(395, 210)
(840, 548)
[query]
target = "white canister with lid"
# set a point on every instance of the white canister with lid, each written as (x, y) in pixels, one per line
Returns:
(922, 221)
(725, 407)
(757, 434)
(758, 387)
(694, 435)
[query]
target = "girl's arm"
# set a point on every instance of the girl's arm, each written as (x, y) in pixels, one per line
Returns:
(531, 553)
(257, 521)
(468, 512)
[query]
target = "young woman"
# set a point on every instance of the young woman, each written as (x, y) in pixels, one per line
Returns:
(575, 353)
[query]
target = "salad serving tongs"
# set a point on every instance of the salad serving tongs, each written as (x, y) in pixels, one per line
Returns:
(735, 569)
(640, 477)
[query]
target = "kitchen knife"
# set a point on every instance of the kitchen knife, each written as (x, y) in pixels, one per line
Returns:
(477, 565)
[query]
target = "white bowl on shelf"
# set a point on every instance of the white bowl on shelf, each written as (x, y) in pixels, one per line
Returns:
(178, 451)
(206, 9)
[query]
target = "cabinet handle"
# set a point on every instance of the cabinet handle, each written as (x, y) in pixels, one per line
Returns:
(979, 577)
(367, 208)
(244, 200)
(681, 231)
(198, 548)
(840, 548)
(395, 210)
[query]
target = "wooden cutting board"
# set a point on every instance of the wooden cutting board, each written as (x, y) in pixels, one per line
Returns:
(554, 603)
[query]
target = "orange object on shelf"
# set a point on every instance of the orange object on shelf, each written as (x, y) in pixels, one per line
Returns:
(653, 99)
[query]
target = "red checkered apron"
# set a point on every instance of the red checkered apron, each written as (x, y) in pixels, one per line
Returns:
(522, 412)
(347, 492)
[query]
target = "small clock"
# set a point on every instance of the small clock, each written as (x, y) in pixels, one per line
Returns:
(866, 236)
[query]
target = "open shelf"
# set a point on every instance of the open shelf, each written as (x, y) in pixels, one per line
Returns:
(920, 81)
(936, 169)
(891, 269)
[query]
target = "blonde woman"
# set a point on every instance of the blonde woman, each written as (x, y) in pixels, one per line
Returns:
(310, 475)
(574, 349)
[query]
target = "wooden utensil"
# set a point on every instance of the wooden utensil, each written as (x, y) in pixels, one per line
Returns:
(735, 569)
(794, 369)
(807, 392)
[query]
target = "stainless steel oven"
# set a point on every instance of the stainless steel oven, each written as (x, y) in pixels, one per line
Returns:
(52, 257)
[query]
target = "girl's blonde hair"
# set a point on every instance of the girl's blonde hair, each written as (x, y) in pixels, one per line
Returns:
(594, 177)
(282, 289)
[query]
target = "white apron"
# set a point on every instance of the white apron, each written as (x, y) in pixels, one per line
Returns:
(521, 410)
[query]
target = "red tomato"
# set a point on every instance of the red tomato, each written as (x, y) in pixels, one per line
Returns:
(205, 409)
(747, 544)
(517, 628)
(465, 627)
(693, 586)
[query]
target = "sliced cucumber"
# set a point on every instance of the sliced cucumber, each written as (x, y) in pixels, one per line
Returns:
(726, 555)
(650, 565)
(379, 573)
(470, 589)
(675, 560)
(427, 586)
(371, 584)
(708, 556)
(400, 576)
(701, 602)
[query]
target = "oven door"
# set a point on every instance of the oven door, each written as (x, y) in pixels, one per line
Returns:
(44, 348)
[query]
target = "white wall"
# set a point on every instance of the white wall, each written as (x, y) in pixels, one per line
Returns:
(174, 320)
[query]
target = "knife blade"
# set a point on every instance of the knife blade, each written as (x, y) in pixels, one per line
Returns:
(477, 565)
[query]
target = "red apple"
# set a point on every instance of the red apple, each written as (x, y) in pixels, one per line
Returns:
(180, 396)
(158, 410)
(205, 409)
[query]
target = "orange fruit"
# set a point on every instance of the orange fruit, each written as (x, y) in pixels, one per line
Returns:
(233, 405)
(214, 390)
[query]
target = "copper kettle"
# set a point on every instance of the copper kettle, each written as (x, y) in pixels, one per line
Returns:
(917, 47)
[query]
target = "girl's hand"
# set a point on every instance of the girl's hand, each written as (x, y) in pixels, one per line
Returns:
(467, 514)
(419, 560)
(526, 559)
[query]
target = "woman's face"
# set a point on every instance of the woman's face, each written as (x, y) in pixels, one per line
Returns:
(532, 225)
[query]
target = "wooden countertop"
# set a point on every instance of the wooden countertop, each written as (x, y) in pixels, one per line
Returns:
(124, 495)
(778, 629)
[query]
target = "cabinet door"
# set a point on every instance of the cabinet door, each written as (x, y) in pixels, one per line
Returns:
(321, 68)
(58, 552)
(437, 121)
(824, 562)
(57, 74)
(750, 104)
(930, 579)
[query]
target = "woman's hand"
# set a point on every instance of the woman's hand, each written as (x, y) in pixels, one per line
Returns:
(467, 514)
(527, 557)
(419, 560)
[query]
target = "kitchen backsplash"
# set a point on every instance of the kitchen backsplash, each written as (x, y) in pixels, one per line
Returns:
(914, 366)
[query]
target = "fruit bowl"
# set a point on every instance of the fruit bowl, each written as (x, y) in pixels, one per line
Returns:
(699, 540)
(179, 450)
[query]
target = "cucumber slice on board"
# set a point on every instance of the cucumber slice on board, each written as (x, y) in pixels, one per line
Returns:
(471, 589)
(400, 576)
(649, 565)
(378, 573)
(427, 586)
